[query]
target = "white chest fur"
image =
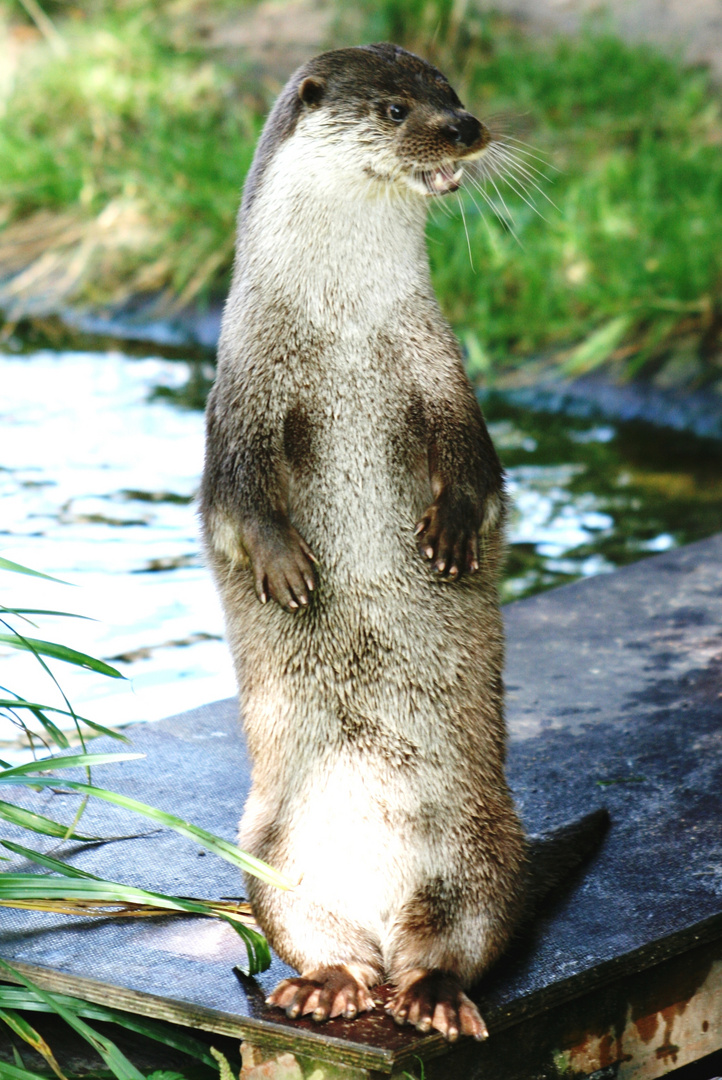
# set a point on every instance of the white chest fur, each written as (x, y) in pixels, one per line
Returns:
(343, 246)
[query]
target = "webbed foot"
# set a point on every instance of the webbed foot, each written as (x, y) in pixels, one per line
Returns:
(435, 1000)
(323, 994)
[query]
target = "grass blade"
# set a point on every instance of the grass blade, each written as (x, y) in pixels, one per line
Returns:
(598, 347)
(33, 1038)
(218, 846)
(19, 997)
(11, 707)
(23, 887)
(60, 652)
(15, 1072)
(26, 819)
(18, 568)
(47, 861)
(36, 707)
(234, 908)
(93, 897)
(102, 730)
(45, 611)
(66, 762)
(114, 1058)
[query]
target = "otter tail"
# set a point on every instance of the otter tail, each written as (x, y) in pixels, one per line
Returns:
(553, 856)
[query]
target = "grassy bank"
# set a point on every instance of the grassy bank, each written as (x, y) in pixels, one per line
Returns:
(122, 154)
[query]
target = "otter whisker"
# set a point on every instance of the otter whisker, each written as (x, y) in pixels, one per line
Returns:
(466, 230)
(511, 175)
(506, 164)
(493, 183)
(531, 151)
(518, 188)
(524, 183)
(507, 222)
(508, 154)
(468, 191)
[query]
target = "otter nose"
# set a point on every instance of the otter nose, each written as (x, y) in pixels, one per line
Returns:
(463, 130)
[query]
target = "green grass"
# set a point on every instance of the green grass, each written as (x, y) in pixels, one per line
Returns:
(148, 143)
(144, 145)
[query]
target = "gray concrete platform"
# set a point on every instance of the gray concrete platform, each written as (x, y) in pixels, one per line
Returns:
(614, 689)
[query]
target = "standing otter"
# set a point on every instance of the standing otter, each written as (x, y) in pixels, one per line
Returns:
(351, 480)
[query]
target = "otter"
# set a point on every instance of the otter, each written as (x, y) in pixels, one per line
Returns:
(353, 508)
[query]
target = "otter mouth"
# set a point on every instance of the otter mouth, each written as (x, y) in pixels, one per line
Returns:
(439, 181)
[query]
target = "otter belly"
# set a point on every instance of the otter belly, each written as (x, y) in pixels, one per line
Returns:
(340, 843)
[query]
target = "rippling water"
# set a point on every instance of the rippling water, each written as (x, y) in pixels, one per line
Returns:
(99, 462)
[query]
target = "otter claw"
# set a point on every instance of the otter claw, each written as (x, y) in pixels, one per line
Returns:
(435, 1000)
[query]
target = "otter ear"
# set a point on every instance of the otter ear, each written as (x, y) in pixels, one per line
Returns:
(312, 90)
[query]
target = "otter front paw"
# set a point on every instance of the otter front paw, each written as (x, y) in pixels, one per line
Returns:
(448, 536)
(282, 565)
(434, 999)
(324, 994)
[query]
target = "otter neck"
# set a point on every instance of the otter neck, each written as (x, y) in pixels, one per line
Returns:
(335, 250)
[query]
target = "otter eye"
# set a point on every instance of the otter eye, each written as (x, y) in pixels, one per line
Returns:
(398, 113)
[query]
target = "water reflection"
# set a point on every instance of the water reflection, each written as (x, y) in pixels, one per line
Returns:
(97, 483)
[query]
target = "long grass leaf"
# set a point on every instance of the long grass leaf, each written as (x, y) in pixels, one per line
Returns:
(28, 644)
(65, 762)
(598, 347)
(239, 909)
(218, 846)
(114, 1058)
(38, 823)
(51, 728)
(89, 897)
(18, 568)
(60, 652)
(47, 861)
(45, 611)
(15, 1072)
(22, 703)
(102, 730)
(41, 887)
(33, 1038)
(19, 997)
(122, 909)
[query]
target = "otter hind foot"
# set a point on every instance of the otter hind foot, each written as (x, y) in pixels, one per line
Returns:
(435, 1000)
(324, 994)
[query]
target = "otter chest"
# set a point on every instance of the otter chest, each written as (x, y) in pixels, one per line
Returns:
(354, 452)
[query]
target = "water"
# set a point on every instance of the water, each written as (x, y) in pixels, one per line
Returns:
(100, 457)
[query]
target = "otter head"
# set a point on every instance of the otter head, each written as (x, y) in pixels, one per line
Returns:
(372, 119)
(402, 121)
